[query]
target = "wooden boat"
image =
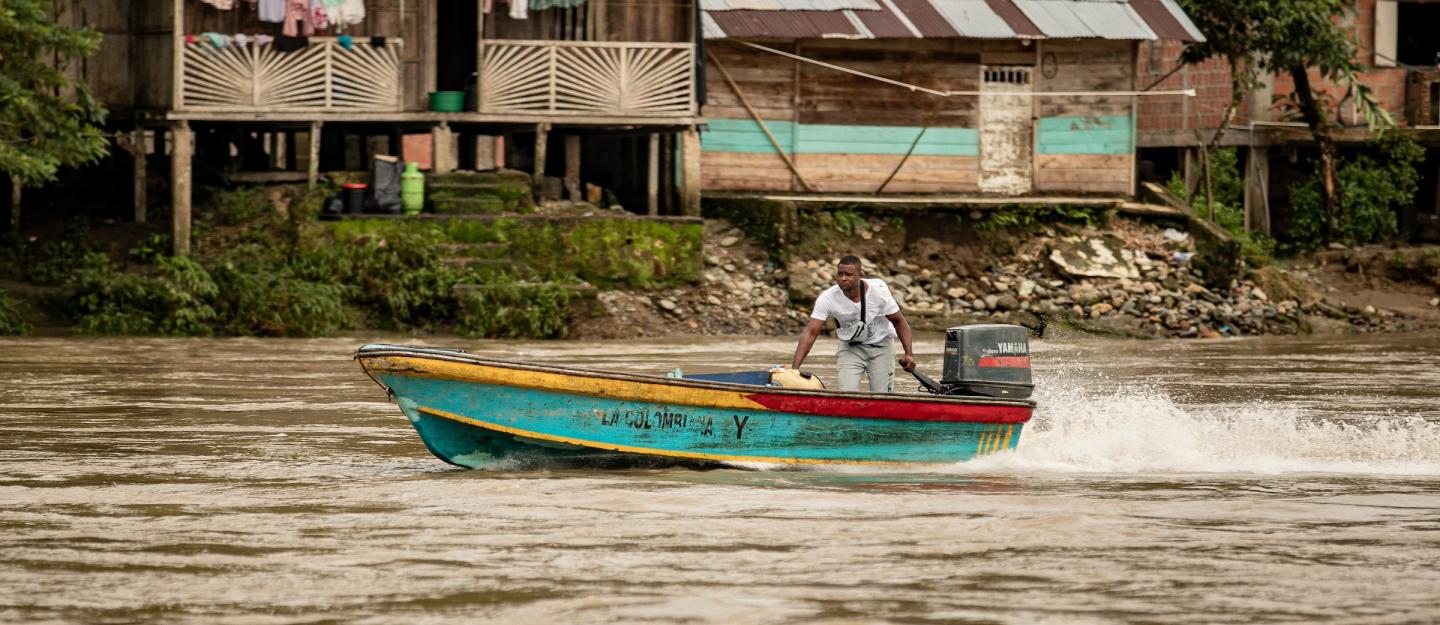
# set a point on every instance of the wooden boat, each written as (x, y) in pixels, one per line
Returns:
(473, 412)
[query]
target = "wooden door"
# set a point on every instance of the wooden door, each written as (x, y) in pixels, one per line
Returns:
(1005, 129)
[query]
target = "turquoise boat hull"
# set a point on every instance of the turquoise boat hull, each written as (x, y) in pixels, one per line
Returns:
(474, 412)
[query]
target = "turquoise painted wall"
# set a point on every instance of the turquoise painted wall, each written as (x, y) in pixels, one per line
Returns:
(744, 135)
(1106, 134)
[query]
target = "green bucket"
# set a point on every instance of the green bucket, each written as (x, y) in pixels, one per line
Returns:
(447, 101)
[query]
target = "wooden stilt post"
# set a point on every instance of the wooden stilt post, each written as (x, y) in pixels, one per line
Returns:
(138, 143)
(180, 182)
(652, 176)
(442, 146)
(15, 189)
(572, 168)
(1257, 189)
(542, 137)
(690, 172)
(312, 166)
(279, 150)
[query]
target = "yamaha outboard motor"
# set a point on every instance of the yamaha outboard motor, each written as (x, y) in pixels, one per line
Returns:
(990, 360)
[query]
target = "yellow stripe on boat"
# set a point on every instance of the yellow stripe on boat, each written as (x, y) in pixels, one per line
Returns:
(644, 450)
(562, 383)
(1009, 431)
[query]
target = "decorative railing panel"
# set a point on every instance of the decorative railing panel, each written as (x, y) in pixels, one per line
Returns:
(258, 78)
(588, 78)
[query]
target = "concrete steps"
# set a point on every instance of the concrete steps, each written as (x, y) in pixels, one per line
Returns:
(480, 193)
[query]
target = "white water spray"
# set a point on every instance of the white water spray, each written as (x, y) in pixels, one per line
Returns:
(1087, 424)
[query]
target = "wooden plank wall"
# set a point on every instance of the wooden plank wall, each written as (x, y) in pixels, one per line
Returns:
(107, 72)
(847, 133)
(153, 53)
(1084, 144)
(598, 20)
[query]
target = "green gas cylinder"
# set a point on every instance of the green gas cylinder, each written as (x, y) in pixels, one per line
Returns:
(412, 189)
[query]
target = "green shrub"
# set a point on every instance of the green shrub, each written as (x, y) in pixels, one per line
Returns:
(174, 301)
(11, 321)
(516, 310)
(1027, 217)
(253, 301)
(1371, 186)
(1229, 185)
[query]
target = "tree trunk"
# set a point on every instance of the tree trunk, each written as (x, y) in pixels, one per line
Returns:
(1319, 129)
(15, 187)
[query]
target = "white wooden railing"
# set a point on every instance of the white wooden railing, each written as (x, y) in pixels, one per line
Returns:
(577, 78)
(324, 76)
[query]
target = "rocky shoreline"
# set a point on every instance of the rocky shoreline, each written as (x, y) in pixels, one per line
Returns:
(1129, 279)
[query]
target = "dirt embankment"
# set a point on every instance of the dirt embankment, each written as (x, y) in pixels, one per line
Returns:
(1122, 278)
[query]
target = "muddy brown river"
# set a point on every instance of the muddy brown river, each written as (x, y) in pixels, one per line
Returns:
(268, 481)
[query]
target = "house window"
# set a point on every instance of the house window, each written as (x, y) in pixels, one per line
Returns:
(1415, 40)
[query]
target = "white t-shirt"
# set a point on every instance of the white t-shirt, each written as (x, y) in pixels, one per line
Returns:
(878, 303)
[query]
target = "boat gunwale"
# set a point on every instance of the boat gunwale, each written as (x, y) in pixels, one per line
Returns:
(462, 357)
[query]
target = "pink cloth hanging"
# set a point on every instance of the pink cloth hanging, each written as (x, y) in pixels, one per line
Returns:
(298, 10)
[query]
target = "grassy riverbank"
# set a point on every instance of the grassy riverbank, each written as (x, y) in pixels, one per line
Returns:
(265, 264)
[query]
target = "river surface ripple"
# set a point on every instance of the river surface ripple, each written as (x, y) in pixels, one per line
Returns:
(267, 481)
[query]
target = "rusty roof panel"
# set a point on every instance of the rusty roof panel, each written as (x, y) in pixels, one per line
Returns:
(926, 19)
(1160, 20)
(784, 24)
(992, 19)
(1054, 21)
(1179, 14)
(789, 5)
(883, 24)
(1017, 21)
(974, 18)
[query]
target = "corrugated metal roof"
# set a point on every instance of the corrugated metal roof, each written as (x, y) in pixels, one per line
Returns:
(1173, 8)
(1145, 20)
(784, 24)
(789, 5)
(974, 18)
(1012, 15)
(1109, 20)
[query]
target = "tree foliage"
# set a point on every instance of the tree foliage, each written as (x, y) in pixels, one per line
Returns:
(47, 120)
(1294, 37)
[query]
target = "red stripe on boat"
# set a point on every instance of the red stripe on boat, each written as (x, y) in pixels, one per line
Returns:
(897, 409)
(1007, 362)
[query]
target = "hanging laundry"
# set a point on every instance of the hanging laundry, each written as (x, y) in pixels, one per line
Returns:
(189, 38)
(298, 10)
(320, 13)
(217, 40)
(223, 5)
(488, 6)
(517, 9)
(345, 41)
(263, 40)
(272, 11)
(541, 5)
(291, 44)
(345, 12)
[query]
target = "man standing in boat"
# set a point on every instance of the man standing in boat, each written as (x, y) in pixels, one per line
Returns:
(869, 321)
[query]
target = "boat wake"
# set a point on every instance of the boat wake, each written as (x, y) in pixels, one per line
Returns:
(1079, 428)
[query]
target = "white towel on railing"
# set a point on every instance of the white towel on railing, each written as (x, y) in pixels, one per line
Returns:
(519, 9)
(346, 12)
(272, 11)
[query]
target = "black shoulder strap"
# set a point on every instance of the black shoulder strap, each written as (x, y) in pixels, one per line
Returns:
(862, 301)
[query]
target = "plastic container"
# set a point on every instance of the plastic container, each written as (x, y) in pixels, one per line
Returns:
(354, 197)
(447, 101)
(412, 189)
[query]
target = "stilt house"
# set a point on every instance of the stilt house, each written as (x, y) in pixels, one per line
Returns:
(1003, 97)
(220, 82)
